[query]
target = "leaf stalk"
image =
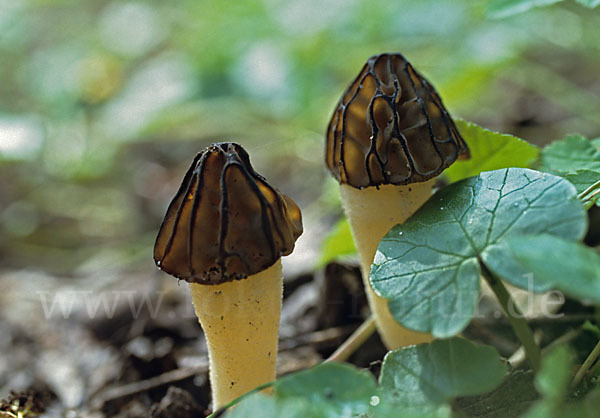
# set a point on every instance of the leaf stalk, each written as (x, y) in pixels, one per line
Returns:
(590, 189)
(589, 361)
(515, 318)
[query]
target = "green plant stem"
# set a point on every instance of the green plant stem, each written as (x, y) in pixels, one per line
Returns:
(586, 364)
(358, 337)
(589, 189)
(517, 322)
(592, 196)
(594, 370)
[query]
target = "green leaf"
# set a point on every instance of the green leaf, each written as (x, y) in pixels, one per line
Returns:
(552, 382)
(593, 328)
(568, 266)
(591, 403)
(555, 374)
(338, 243)
(269, 406)
(490, 151)
(514, 396)
(576, 159)
(331, 386)
(428, 267)
(583, 179)
(416, 381)
(498, 9)
(432, 375)
(589, 3)
(390, 409)
(571, 154)
(585, 408)
(327, 390)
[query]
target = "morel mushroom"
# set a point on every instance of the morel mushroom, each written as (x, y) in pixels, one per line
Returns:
(225, 232)
(388, 139)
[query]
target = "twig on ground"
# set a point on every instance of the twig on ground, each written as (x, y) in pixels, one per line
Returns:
(316, 337)
(129, 389)
(176, 375)
(353, 342)
(519, 356)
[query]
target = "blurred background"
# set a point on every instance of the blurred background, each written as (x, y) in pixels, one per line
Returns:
(103, 105)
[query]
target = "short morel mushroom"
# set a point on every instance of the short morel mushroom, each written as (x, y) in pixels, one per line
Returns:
(225, 232)
(388, 139)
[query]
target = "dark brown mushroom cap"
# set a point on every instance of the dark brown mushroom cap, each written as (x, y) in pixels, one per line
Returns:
(226, 222)
(390, 127)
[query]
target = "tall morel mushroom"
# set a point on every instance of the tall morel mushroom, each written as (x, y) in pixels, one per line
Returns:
(388, 139)
(225, 232)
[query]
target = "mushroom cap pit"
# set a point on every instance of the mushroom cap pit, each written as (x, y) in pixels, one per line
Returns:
(390, 127)
(226, 222)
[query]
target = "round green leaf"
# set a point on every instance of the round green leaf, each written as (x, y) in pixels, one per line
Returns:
(428, 267)
(568, 266)
(336, 386)
(270, 407)
(436, 373)
(327, 390)
(387, 410)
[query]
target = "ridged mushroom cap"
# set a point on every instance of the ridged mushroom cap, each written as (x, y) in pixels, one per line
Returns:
(390, 127)
(226, 222)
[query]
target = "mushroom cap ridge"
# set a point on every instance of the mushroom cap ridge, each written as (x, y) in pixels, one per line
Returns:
(226, 222)
(391, 127)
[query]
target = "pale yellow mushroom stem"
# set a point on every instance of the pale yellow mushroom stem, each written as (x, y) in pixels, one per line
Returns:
(371, 213)
(240, 320)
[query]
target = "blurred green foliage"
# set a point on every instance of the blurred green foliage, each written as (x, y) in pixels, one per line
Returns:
(104, 103)
(338, 243)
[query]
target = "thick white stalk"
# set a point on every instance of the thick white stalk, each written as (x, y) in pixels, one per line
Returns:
(240, 320)
(372, 213)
